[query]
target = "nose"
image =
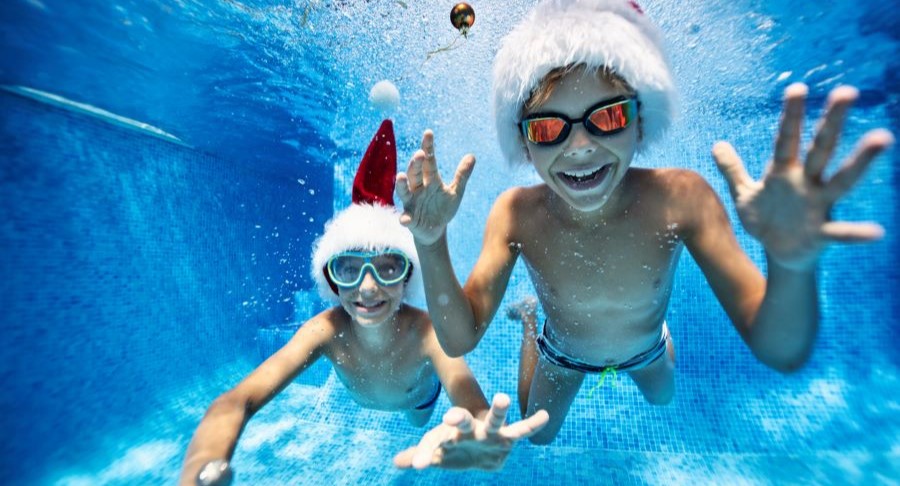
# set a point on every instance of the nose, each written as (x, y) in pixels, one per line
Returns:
(580, 142)
(368, 285)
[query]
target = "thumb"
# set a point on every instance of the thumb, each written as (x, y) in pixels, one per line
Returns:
(731, 166)
(463, 172)
(401, 188)
(404, 459)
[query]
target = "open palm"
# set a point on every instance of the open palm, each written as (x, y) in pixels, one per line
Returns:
(464, 442)
(788, 210)
(429, 204)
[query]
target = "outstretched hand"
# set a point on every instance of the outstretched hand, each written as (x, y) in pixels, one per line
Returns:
(788, 210)
(464, 442)
(429, 204)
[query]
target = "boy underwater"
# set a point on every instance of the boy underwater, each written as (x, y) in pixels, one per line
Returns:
(383, 350)
(580, 87)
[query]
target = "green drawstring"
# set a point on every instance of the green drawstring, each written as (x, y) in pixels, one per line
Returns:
(603, 374)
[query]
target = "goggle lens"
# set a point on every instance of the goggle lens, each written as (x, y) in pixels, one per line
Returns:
(544, 130)
(347, 269)
(607, 118)
(611, 119)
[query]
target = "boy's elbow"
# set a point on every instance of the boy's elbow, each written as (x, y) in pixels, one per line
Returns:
(457, 350)
(788, 367)
(786, 357)
(456, 346)
(787, 364)
(230, 400)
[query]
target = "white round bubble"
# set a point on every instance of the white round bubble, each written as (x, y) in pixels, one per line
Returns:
(384, 96)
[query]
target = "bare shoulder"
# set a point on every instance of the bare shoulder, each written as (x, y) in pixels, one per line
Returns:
(679, 189)
(518, 209)
(668, 181)
(522, 198)
(420, 328)
(690, 200)
(413, 321)
(323, 327)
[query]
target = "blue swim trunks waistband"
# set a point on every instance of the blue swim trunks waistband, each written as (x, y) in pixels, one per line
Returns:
(434, 397)
(551, 352)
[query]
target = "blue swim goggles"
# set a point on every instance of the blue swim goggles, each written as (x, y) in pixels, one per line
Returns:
(388, 267)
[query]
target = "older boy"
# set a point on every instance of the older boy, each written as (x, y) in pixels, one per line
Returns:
(383, 350)
(580, 86)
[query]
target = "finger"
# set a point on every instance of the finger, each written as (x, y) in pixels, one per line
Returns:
(424, 457)
(497, 414)
(844, 232)
(414, 171)
(463, 172)
(731, 166)
(424, 453)
(787, 143)
(461, 419)
(429, 163)
(829, 130)
(403, 460)
(527, 427)
(872, 144)
(401, 188)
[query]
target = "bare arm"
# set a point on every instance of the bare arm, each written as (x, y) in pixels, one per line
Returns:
(777, 318)
(788, 211)
(458, 380)
(218, 432)
(460, 316)
(471, 436)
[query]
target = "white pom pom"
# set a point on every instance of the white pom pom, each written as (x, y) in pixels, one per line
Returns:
(384, 96)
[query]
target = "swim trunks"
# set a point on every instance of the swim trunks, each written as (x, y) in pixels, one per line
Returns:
(434, 397)
(550, 351)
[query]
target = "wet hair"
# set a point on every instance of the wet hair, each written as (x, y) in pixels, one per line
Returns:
(545, 88)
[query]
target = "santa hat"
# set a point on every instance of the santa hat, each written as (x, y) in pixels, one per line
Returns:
(371, 223)
(597, 33)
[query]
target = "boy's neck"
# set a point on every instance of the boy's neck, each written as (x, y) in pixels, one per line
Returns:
(378, 336)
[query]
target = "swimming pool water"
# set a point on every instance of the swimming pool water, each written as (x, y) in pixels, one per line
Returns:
(143, 277)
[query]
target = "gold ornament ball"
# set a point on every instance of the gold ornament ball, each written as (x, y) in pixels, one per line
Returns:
(462, 16)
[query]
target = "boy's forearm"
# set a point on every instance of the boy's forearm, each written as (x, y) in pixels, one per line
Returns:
(786, 323)
(215, 438)
(448, 306)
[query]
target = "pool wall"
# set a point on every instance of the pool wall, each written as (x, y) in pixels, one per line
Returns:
(122, 256)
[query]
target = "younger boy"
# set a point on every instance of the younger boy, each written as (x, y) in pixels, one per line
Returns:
(383, 350)
(580, 86)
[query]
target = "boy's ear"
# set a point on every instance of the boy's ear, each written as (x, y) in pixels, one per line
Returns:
(640, 129)
(525, 148)
(640, 123)
(328, 279)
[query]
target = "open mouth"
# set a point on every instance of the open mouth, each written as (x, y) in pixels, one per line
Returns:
(369, 307)
(581, 180)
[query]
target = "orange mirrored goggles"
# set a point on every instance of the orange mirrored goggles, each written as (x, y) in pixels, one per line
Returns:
(605, 118)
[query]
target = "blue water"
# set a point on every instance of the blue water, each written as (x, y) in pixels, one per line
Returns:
(144, 276)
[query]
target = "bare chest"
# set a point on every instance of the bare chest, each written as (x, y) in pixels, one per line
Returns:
(392, 379)
(608, 267)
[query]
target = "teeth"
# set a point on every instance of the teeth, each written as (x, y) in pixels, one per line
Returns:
(581, 173)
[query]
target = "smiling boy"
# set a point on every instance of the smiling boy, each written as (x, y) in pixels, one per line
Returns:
(580, 88)
(383, 350)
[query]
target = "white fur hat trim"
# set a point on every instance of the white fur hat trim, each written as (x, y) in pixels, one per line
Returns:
(368, 228)
(598, 33)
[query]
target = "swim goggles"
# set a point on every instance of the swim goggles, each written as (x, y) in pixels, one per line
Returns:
(605, 118)
(347, 269)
